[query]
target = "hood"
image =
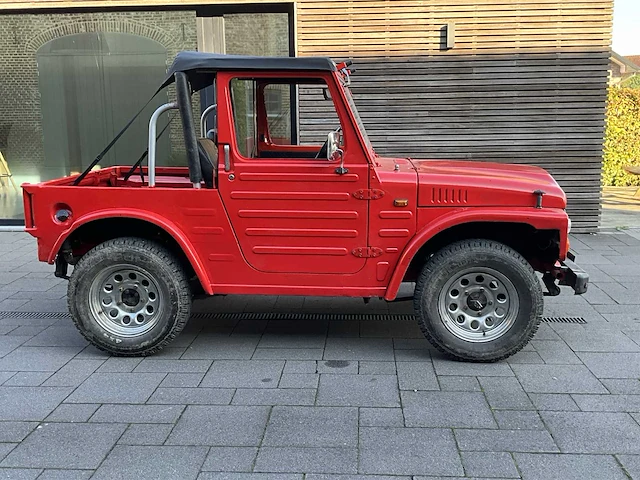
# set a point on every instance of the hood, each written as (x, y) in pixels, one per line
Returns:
(446, 182)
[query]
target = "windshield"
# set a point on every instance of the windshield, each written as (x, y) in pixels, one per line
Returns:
(354, 109)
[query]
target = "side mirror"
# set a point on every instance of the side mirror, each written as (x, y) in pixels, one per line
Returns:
(333, 145)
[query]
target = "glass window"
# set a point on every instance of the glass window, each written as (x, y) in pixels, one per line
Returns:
(316, 116)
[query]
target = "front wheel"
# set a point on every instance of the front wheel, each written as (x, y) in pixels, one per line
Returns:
(129, 296)
(478, 300)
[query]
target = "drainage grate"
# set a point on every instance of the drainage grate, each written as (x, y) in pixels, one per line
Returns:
(305, 317)
(576, 320)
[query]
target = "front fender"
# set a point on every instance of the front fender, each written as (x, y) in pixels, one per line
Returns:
(171, 228)
(548, 218)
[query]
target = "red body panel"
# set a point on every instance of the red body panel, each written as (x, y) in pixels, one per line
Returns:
(296, 227)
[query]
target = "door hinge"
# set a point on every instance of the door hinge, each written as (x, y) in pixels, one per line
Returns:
(367, 252)
(368, 194)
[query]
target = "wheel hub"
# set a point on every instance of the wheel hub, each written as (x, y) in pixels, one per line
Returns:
(125, 300)
(478, 304)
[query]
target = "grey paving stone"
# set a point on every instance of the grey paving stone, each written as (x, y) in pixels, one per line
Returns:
(555, 352)
(15, 431)
(192, 396)
(182, 380)
(212, 347)
(505, 441)
(119, 365)
(72, 412)
(446, 410)
(557, 379)
(230, 459)
(593, 432)
(145, 434)
(19, 473)
(149, 365)
(459, 384)
(381, 417)
(622, 386)
(73, 373)
(37, 359)
(6, 329)
(30, 403)
(412, 343)
(65, 475)
(612, 365)
(299, 380)
(346, 328)
(631, 464)
(296, 459)
(505, 393)
(243, 374)
(537, 466)
(518, 420)
(152, 463)
(417, 376)
(525, 357)
(401, 451)
(220, 426)
(379, 349)
(377, 368)
(608, 403)
(42, 449)
(312, 427)
(27, 379)
(583, 339)
(116, 388)
(299, 366)
(5, 448)
(338, 367)
(58, 336)
(274, 396)
(553, 401)
(358, 390)
(25, 330)
(451, 367)
(296, 341)
(489, 464)
(138, 413)
(248, 476)
(390, 329)
(319, 476)
(4, 376)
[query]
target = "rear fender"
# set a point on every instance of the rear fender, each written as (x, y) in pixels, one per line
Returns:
(169, 227)
(547, 218)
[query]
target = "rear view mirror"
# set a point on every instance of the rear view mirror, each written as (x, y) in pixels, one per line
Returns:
(333, 144)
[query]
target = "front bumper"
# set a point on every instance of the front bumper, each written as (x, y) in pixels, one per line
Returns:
(573, 275)
(566, 273)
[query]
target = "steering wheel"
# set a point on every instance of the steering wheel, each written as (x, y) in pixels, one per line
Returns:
(322, 153)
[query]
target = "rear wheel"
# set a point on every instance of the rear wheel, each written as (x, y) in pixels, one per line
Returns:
(478, 300)
(129, 296)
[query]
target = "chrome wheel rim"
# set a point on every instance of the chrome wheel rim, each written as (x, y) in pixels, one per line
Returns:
(125, 300)
(479, 304)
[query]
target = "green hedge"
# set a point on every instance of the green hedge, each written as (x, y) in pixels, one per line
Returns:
(622, 137)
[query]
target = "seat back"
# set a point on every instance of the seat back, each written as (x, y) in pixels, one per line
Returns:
(208, 153)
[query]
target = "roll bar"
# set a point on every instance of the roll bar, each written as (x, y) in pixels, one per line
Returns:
(203, 119)
(153, 126)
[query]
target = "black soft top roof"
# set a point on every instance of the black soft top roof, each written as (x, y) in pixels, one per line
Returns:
(199, 65)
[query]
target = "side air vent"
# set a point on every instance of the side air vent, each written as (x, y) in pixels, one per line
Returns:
(449, 196)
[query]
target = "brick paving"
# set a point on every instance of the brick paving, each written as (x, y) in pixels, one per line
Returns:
(278, 399)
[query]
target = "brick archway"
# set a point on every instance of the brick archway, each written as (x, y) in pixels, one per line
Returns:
(107, 26)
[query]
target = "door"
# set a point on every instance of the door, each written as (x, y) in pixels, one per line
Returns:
(291, 211)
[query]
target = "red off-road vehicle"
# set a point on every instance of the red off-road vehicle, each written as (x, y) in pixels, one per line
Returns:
(259, 211)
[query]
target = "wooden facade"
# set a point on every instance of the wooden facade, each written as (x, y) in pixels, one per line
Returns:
(524, 82)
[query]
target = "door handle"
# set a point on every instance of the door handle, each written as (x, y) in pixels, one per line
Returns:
(227, 157)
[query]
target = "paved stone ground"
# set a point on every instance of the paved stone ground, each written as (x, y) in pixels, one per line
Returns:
(318, 400)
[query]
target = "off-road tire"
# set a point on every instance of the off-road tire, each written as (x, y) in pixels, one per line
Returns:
(458, 257)
(165, 270)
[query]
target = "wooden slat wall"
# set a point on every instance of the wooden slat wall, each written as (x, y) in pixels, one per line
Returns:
(525, 82)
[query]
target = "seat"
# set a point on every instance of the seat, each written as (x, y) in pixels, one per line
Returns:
(208, 153)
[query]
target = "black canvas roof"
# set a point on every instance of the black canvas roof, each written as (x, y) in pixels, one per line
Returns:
(199, 65)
